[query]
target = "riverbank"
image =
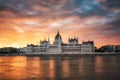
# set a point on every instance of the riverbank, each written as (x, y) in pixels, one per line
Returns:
(80, 54)
(63, 54)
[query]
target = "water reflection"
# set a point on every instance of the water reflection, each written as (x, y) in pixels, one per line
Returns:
(60, 68)
(33, 68)
(65, 68)
(52, 69)
(12, 67)
(106, 67)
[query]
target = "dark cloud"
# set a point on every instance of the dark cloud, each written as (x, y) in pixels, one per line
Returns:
(59, 8)
(2, 7)
(115, 27)
(27, 7)
(116, 23)
(111, 3)
(111, 28)
(89, 8)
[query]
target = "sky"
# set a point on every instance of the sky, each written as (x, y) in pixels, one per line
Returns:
(24, 22)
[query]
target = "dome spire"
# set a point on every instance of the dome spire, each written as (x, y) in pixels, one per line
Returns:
(57, 31)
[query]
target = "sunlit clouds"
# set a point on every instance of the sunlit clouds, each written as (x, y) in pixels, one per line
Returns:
(24, 22)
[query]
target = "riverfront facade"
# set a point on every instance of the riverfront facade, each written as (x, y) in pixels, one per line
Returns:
(58, 47)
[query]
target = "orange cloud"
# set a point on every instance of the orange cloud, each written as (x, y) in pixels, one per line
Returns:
(35, 22)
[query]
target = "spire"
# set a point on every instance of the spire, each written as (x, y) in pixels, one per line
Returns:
(82, 41)
(77, 38)
(48, 44)
(40, 41)
(69, 38)
(57, 31)
(48, 39)
(58, 35)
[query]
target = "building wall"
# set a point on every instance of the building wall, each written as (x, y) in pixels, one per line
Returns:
(86, 48)
(29, 50)
(54, 49)
(71, 48)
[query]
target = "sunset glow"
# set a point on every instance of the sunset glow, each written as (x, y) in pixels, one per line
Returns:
(24, 22)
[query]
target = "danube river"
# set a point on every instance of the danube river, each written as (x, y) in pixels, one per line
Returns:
(87, 67)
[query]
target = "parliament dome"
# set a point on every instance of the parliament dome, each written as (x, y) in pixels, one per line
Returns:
(58, 36)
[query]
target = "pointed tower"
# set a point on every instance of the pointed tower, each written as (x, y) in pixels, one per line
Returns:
(48, 41)
(40, 41)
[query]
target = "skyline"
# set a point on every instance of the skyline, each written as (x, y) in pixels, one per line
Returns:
(23, 22)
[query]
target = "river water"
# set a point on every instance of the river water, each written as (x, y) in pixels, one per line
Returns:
(60, 68)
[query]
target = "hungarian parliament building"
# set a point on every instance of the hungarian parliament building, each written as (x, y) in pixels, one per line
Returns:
(58, 47)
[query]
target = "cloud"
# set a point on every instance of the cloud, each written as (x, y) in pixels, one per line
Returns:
(33, 20)
(111, 3)
(40, 7)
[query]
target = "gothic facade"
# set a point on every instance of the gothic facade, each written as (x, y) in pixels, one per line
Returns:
(58, 47)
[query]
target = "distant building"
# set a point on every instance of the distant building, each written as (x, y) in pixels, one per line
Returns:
(58, 47)
(88, 46)
(117, 48)
(109, 48)
(8, 50)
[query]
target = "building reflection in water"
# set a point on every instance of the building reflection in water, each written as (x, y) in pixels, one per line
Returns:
(106, 67)
(59, 68)
(99, 64)
(40, 68)
(33, 68)
(86, 67)
(52, 69)
(65, 68)
(12, 68)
